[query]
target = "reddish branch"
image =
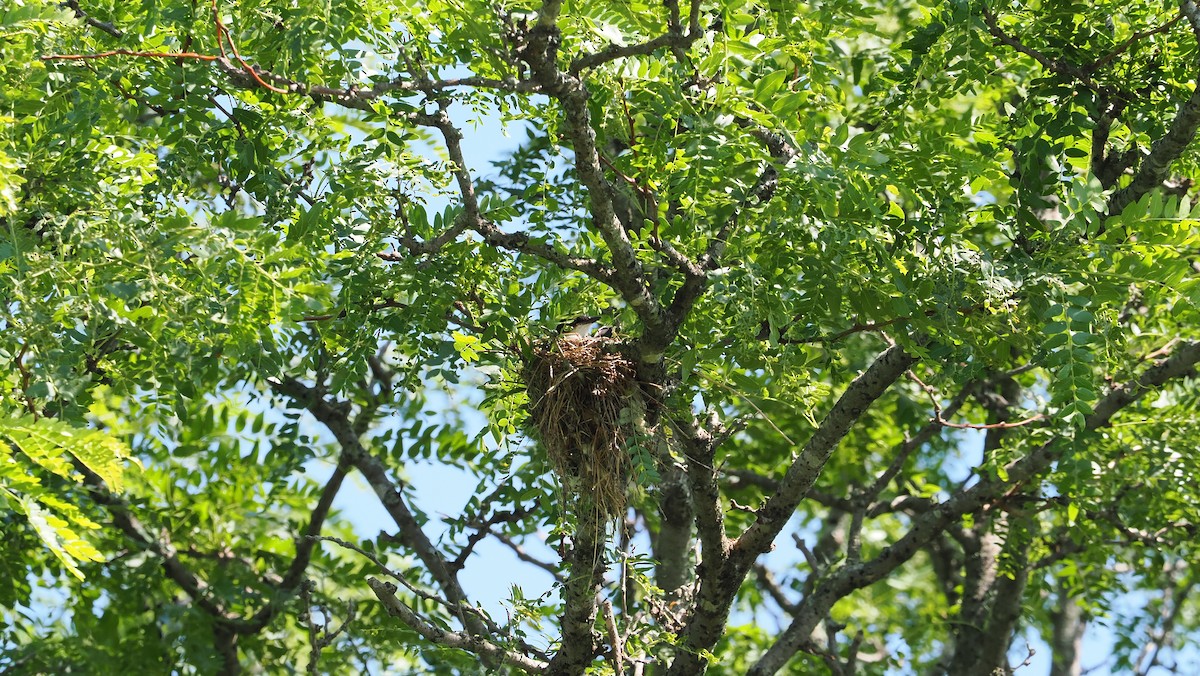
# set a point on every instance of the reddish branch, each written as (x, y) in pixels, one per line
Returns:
(993, 426)
(255, 77)
(223, 38)
(939, 418)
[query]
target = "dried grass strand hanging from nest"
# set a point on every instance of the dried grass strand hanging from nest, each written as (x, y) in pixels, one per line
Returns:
(582, 401)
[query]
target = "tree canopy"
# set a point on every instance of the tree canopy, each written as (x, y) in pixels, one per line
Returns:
(891, 365)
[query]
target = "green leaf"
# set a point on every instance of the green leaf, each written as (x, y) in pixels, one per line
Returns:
(45, 441)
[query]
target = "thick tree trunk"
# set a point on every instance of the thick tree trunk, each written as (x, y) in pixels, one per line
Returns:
(1067, 639)
(995, 587)
(673, 545)
(578, 619)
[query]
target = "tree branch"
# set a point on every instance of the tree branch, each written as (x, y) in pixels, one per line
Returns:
(1056, 66)
(717, 593)
(630, 278)
(305, 544)
(105, 26)
(386, 593)
(585, 572)
(523, 555)
(928, 525)
(674, 38)
(335, 417)
(1154, 166)
(803, 472)
(1133, 40)
(1180, 363)
(131, 526)
(483, 528)
(474, 219)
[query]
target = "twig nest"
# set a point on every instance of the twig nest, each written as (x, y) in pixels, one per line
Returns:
(585, 403)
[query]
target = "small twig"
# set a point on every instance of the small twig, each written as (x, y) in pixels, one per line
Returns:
(993, 426)
(814, 563)
(484, 527)
(768, 582)
(1124, 46)
(386, 593)
(223, 31)
(1028, 658)
(941, 421)
(130, 52)
(1057, 66)
(1160, 352)
(420, 593)
(521, 554)
(375, 307)
(105, 26)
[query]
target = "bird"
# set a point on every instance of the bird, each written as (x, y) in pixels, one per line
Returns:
(580, 326)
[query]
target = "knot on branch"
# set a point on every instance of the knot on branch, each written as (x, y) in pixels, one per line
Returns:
(540, 48)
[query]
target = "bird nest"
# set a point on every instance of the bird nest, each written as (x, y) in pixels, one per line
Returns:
(584, 403)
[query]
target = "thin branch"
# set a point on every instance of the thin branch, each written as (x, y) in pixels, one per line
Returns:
(456, 609)
(803, 473)
(483, 529)
(910, 445)
(717, 592)
(674, 38)
(767, 581)
(523, 555)
(124, 519)
(386, 593)
(1133, 39)
(1155, 165)
(335, 417)
(1182, 362)
(1057, 66)
(473, 218)
(321, 637)
(181, 56)
(1149, 656)
(105, 26)
(992, 426)
(250, 76)
(744, 477)
(305, 543)
(857, 327)
(930, 524)
(614, 638)
(374, 307)
(696, 274)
